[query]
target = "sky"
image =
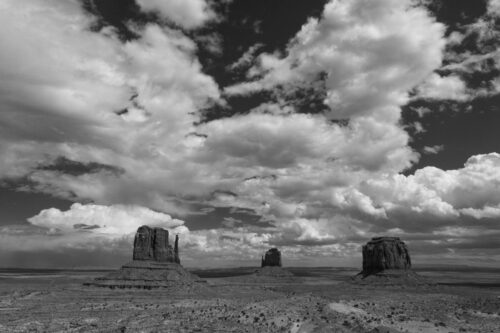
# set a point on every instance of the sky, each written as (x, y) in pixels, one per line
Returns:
(241, 125)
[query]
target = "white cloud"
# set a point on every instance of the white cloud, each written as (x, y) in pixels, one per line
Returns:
(494, 7)
(372, 56)
(112, 221)
(484, 58)
(443, 87)
(471, 190)
(188, 14)
(482, 213)
(433, 149)
(63, 84)
(246, 58)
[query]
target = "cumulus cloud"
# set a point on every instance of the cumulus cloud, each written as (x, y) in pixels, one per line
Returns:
(442, 193)
(443, 87)
(87, 96)
(188, 14)
(115, 221)
(371, 56)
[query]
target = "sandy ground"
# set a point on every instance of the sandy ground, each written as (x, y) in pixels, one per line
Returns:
(245, 305)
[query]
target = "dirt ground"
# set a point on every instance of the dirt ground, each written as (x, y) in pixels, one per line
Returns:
(305, 304)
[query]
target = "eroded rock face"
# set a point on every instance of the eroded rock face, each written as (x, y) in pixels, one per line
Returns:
(153, 244)
(271, 258)
(143, 244)
(385, 253)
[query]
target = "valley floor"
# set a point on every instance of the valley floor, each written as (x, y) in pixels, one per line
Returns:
(306, 304)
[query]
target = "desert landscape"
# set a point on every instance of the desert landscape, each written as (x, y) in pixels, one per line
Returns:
(167, 298)
(295, 166)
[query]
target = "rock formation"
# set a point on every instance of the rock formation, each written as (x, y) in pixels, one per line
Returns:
(382, 253)
(271, 265)
(153, 244)
(176, 250)
(155, 264)
(271, 258)
(386, 261)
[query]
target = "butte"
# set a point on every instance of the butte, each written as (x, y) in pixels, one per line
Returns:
(155, 264)
(386, 261)
(271, 265)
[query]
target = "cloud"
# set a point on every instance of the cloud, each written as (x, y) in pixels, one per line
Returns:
(470, 190)
(112, 221)
(370, 56)
(443, 87)
(471, 53)
(188, 14)
(87, 96)
(433, 149)
(246, 58)
(484, 212)
(494, 7)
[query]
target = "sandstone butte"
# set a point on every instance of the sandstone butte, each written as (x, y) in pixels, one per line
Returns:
(271, 265)
(155, 264)
(386, 260)
(271, 258)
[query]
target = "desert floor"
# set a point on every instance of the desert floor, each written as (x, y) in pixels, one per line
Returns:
(318, 301)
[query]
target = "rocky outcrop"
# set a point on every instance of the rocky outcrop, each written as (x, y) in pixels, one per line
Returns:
(383, 253)
(271, 258)
(155, 264)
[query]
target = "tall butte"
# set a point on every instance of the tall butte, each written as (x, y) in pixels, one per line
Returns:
(155, 264)
(386, 260)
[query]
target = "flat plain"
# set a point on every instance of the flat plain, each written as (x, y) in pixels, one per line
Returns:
(234, 300)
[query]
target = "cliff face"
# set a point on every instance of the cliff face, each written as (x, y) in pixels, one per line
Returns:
(153, 244)
(384, 253)
(271, 258)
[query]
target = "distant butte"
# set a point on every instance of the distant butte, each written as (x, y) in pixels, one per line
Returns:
(271, 265)
(271, 258)
(155, 264)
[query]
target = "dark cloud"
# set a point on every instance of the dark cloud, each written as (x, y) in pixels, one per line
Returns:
(74, 168)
